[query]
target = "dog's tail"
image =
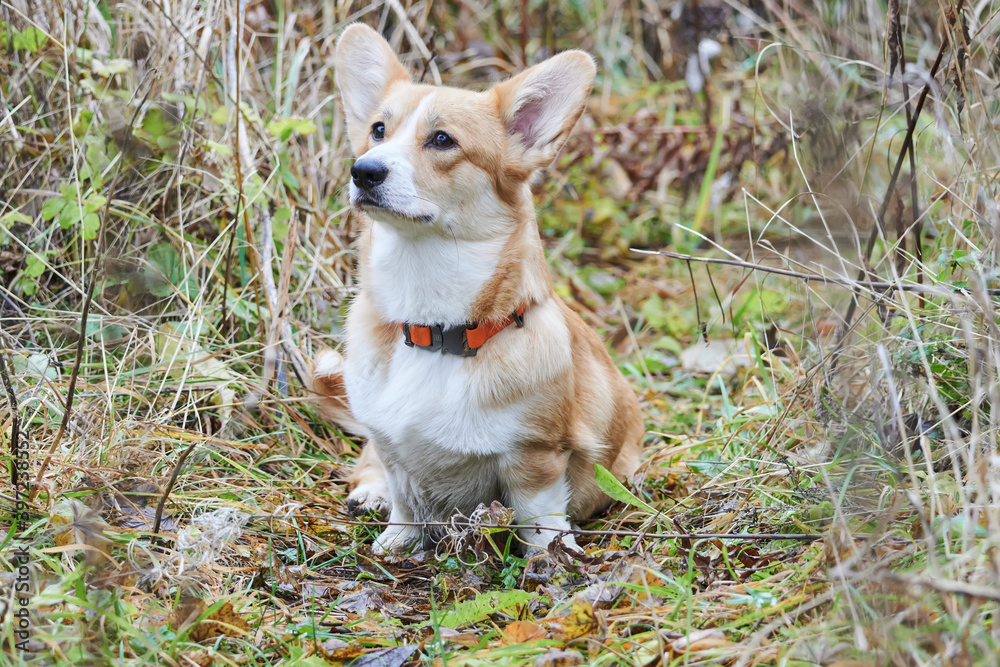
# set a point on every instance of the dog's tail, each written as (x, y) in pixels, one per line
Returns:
(326, 382)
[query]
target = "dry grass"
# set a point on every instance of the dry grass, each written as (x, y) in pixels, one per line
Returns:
(174, 173)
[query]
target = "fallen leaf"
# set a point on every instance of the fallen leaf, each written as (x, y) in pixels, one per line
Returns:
(332, 644)
(188, 610)
(580, 622)
(455, 637)
(339, 651)
(722, 356)
(559, 658)
(701, 640)
(75, 523)
(482, 606)
(202, 658)
(224, 621)
(519, 632)
(387, 657)
(361, 602)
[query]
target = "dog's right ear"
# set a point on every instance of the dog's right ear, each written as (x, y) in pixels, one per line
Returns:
(366, 68)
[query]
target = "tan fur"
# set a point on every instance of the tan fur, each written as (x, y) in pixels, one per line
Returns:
(577, 409)
(367, 470)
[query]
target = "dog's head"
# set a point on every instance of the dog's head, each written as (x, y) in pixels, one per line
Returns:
(434, 159)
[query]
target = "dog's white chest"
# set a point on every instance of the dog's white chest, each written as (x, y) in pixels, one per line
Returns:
(426, 401)
(427, 280)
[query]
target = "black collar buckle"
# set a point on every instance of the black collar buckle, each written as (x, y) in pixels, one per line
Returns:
(451, 340)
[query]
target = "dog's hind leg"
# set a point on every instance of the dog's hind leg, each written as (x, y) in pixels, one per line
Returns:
(543, 513)
(369, 492)
(326, 382)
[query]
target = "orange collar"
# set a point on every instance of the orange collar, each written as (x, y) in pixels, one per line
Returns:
(461, 341)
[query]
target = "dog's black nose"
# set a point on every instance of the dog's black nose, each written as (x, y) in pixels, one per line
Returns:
(367, 175)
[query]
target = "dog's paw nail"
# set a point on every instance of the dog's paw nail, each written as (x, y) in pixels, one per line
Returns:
(368, 506)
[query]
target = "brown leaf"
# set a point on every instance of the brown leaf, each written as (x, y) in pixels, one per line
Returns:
(519, 632)
(202, 658)
(223, 621)
(701, 640)
(453, 636)
(838, 545)
(340, 651)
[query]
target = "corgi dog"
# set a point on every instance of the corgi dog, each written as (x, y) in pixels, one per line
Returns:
(471, 379)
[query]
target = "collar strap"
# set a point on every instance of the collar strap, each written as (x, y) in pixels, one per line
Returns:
(461, 341)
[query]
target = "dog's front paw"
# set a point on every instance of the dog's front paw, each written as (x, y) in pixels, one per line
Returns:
(368, 500)
(395, 539)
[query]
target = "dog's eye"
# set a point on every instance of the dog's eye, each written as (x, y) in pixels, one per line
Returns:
(442, 140)
(378, 131)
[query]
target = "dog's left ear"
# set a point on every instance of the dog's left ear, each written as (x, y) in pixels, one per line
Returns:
(540, 106)
(365, 69)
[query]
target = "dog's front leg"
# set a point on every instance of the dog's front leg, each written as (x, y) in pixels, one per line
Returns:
(398, 536)
(543, 514)
(369, 492)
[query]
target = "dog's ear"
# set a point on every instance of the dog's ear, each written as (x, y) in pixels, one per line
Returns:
(540, 106)
(366, 68)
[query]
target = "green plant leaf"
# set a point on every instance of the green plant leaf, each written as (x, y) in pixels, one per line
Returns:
(52, 207)
(279, 223)
(91, 225)
(482, 606)
(95, 203)
(69, 215)
(31, 39)
(34, 266)
(98, 328)
(36, 365)
(219, 115)
(164, 273)
(285, 128)
(13, 217)
(610, 485)
(156, 123)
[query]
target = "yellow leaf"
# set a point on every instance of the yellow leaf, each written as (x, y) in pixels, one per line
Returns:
(580, 622)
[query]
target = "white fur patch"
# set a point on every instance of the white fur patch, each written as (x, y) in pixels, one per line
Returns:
(329, 362)
(427, 401)
(547, 511)
(428, 279)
